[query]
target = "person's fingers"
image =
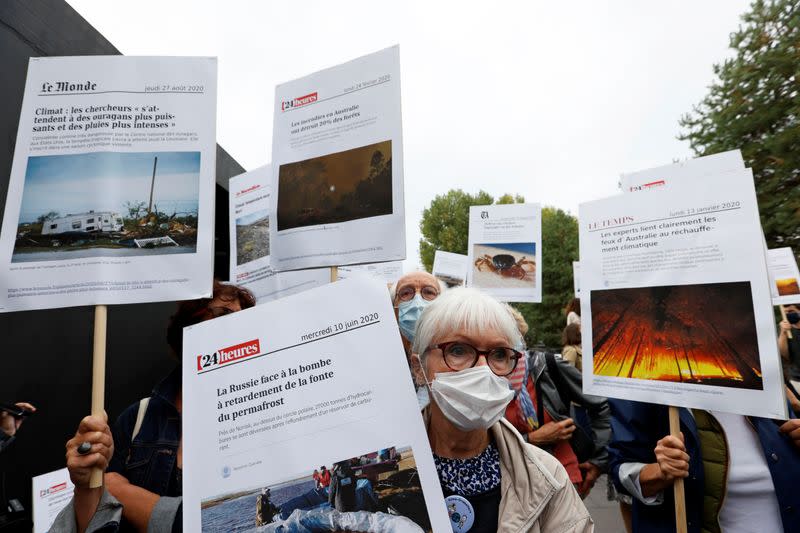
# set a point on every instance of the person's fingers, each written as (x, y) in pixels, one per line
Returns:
(25, 405)
(90, 460)
(566, 422)
(671, 442)
(92, 423)
(790, 425)
(675, 472)
(673, 453)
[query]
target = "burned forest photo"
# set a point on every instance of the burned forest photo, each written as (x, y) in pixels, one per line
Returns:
(703, 334)
(336, 188)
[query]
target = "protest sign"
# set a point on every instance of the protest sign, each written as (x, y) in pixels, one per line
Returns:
(654, 275)
(111, 193)
(576, 278)
(505, 251)
(51, 493)
(337, 156)
(450, 268)
(275, 392)
(784, 276)
(692, 168)
(250, 200)
(388, 272)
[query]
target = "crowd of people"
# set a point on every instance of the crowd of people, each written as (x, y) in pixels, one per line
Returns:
(512, 433)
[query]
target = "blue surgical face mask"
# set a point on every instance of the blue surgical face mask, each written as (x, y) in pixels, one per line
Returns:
(793, 317)
(408, 313)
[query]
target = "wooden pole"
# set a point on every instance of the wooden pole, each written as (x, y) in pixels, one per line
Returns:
(680, 495)
(783, 317)
(334, 274)
(98, 377)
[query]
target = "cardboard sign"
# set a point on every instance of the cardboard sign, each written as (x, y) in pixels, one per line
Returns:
(250, 202)
(785, 276)
(273, 393)
(337, 156)
(111, 195)
(505, 251)
(449, 268)
(655, 274)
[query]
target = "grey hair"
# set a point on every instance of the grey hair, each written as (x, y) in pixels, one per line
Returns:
(467, 309)
(393, 287)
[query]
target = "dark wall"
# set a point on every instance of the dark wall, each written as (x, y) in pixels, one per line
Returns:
(46, 355)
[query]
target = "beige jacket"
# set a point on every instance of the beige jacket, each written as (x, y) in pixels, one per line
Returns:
(536, 494)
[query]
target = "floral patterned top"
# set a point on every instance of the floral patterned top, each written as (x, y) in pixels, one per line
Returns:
(470, 477)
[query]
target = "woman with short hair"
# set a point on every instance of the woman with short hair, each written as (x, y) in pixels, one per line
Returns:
(492, 480)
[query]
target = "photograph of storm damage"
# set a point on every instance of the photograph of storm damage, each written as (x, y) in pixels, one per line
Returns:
(336, 188)
(703, 334)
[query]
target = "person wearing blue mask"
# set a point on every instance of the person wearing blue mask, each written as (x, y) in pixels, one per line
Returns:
(410, 296)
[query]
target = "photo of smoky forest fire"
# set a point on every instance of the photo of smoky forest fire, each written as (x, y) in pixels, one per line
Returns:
(336, 188)
(703, 334)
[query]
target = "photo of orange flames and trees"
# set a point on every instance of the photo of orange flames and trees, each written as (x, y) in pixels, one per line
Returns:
(336, 187)
(703, 334)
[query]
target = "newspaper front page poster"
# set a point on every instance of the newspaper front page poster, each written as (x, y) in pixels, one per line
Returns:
(250, 200)
(51, 493)
(655, 275)
(653, 178)
(450, 268)
(274, 393)
(784, 276)
(337, 156)
(505, 251)
(111, 194)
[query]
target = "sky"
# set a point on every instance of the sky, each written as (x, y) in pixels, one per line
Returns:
(101, 181)
(551, 100)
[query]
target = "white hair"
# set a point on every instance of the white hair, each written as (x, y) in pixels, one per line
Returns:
(466, 309)
(393, 287)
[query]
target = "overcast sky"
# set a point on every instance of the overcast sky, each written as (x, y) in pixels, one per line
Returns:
(551, 100)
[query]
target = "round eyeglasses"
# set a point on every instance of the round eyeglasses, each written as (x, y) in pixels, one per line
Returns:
(407, 293)
(461, 355)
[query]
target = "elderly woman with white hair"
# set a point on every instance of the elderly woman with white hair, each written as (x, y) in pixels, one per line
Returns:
(492, 479)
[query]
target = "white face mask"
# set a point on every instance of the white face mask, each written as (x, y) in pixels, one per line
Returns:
(473, 398)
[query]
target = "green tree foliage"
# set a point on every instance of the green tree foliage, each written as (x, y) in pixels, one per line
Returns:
(755, 105)
(559, 250)
(445, 226)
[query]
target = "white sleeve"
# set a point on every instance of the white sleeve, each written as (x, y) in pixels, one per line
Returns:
(629, 477)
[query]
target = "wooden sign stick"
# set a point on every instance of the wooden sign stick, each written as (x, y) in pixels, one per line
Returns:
(680, 495)
(98, 378)
(783, 317)
(334, 274)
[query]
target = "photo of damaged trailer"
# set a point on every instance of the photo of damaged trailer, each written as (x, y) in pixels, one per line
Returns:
(96, 224)
(91, 222)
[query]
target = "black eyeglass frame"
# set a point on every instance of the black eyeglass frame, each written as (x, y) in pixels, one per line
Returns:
(478, 353)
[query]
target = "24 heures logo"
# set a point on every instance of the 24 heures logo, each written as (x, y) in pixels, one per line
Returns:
(52, 490)
(225, 356)
(300, 101)
(651, 185)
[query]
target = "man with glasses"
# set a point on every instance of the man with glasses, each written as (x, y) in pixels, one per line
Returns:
(410, 296)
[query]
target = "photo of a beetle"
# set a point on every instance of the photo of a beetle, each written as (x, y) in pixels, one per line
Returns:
(506, 266)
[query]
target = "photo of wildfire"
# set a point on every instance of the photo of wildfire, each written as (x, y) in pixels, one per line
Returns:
(703, 334)
(787, 286)
(336, 187)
